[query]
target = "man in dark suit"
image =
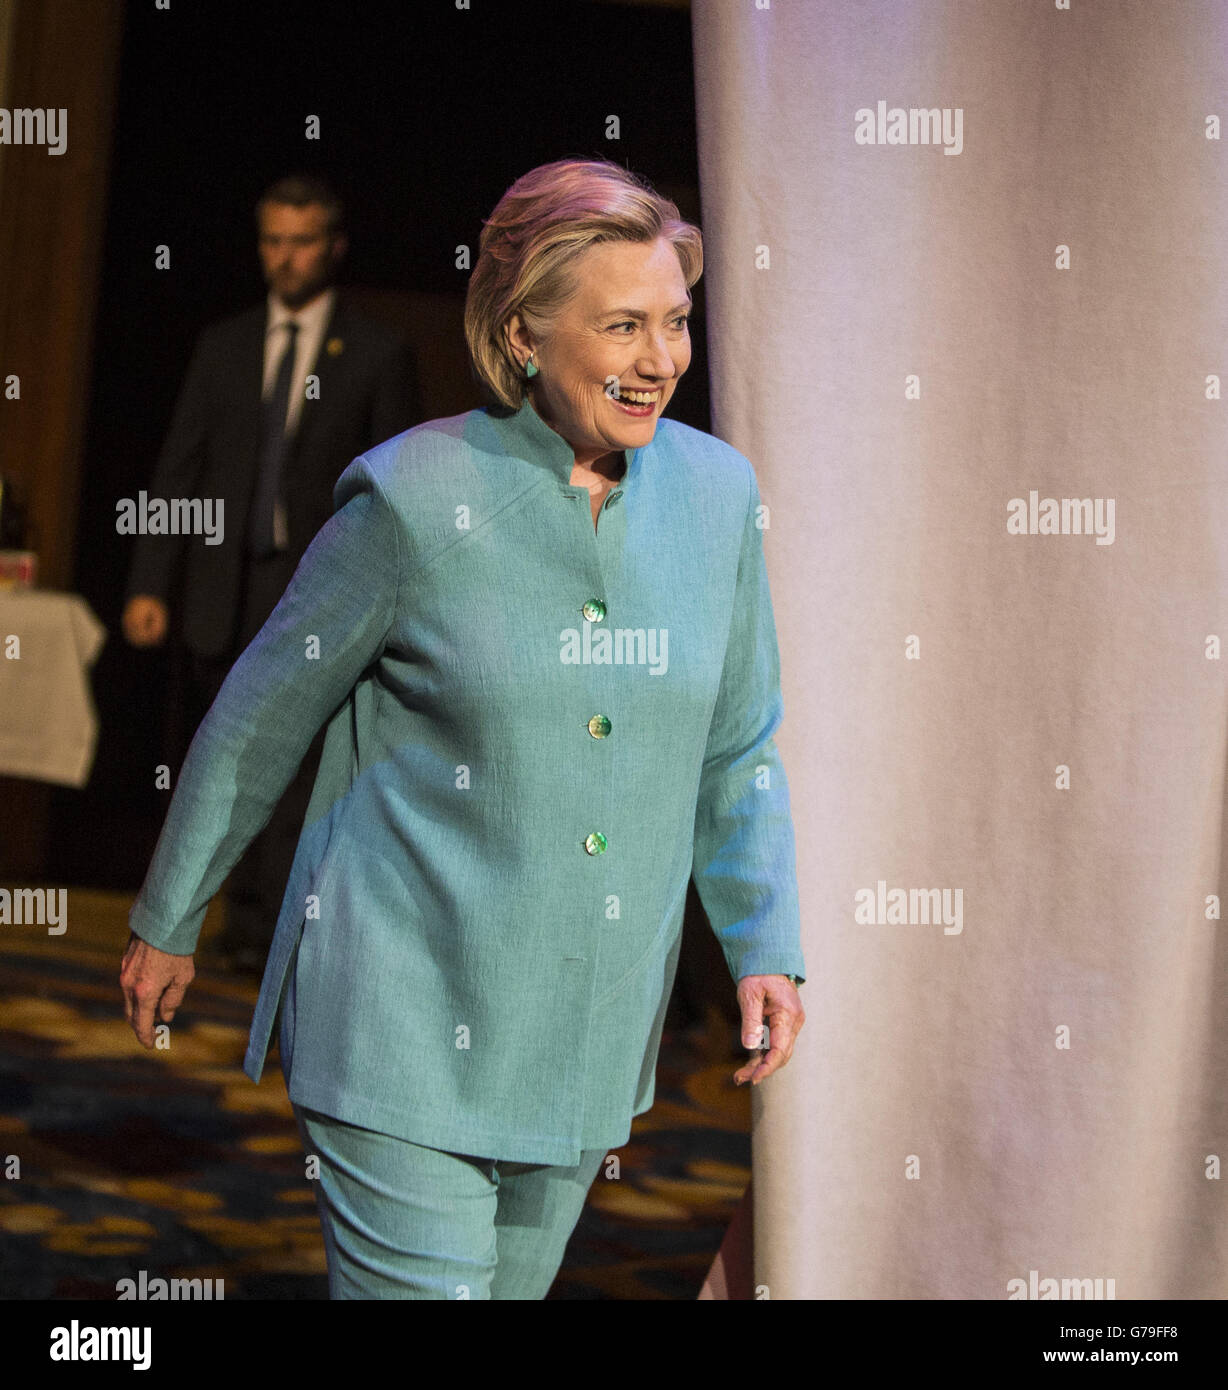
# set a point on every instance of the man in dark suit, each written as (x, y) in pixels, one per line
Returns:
(276, 403)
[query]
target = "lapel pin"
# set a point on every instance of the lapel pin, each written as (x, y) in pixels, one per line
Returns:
(335, 347)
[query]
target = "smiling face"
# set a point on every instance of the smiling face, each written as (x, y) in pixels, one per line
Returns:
(623, 331)
(298, 252)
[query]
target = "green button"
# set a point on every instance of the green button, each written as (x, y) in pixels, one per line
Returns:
(595, 843)
(594, 610)
(599, 726)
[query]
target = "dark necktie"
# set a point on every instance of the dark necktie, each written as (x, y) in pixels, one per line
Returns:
(272, 451)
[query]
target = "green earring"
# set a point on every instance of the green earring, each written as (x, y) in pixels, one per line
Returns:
(529, 369)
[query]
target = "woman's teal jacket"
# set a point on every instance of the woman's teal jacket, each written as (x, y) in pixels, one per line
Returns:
(537, 732)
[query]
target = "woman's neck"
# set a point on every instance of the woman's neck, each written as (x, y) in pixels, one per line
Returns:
(610, 466)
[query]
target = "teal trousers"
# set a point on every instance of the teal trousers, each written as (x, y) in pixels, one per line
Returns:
(405, 1221)
(402, 1220)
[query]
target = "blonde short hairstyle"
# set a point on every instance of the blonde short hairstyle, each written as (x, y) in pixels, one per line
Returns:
(529, 245)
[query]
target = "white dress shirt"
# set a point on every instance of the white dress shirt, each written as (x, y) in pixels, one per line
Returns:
(312, 321)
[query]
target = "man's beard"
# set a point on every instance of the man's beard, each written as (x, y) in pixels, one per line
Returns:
(296, 297)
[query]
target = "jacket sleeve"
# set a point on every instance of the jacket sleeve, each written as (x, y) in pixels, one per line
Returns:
(329, 626)
(744, 863)
(176, 474)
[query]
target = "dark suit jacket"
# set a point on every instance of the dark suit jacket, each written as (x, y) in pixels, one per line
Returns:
(367, 394)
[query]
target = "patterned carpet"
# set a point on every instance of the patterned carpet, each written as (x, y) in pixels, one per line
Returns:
(175, 1163)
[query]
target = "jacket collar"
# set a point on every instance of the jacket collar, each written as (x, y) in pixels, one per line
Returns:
(531, 438)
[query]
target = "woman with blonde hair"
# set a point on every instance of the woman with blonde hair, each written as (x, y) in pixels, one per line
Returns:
(541, 638)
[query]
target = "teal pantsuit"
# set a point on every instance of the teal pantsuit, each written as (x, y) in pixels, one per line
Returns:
(537, 733)
(402, 1221)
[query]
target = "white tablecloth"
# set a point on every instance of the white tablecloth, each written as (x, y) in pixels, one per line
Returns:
(48, 724)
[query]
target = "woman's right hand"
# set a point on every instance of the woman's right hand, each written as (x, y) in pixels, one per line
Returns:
(154, 983)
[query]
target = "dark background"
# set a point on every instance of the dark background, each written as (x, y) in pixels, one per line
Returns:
(427, 113)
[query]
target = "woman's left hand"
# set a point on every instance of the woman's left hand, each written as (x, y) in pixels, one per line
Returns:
(769, 999)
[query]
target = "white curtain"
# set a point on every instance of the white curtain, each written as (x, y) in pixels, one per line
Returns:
(1022, 1077)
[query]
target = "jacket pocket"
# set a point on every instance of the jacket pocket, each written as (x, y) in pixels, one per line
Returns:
(650, 951)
